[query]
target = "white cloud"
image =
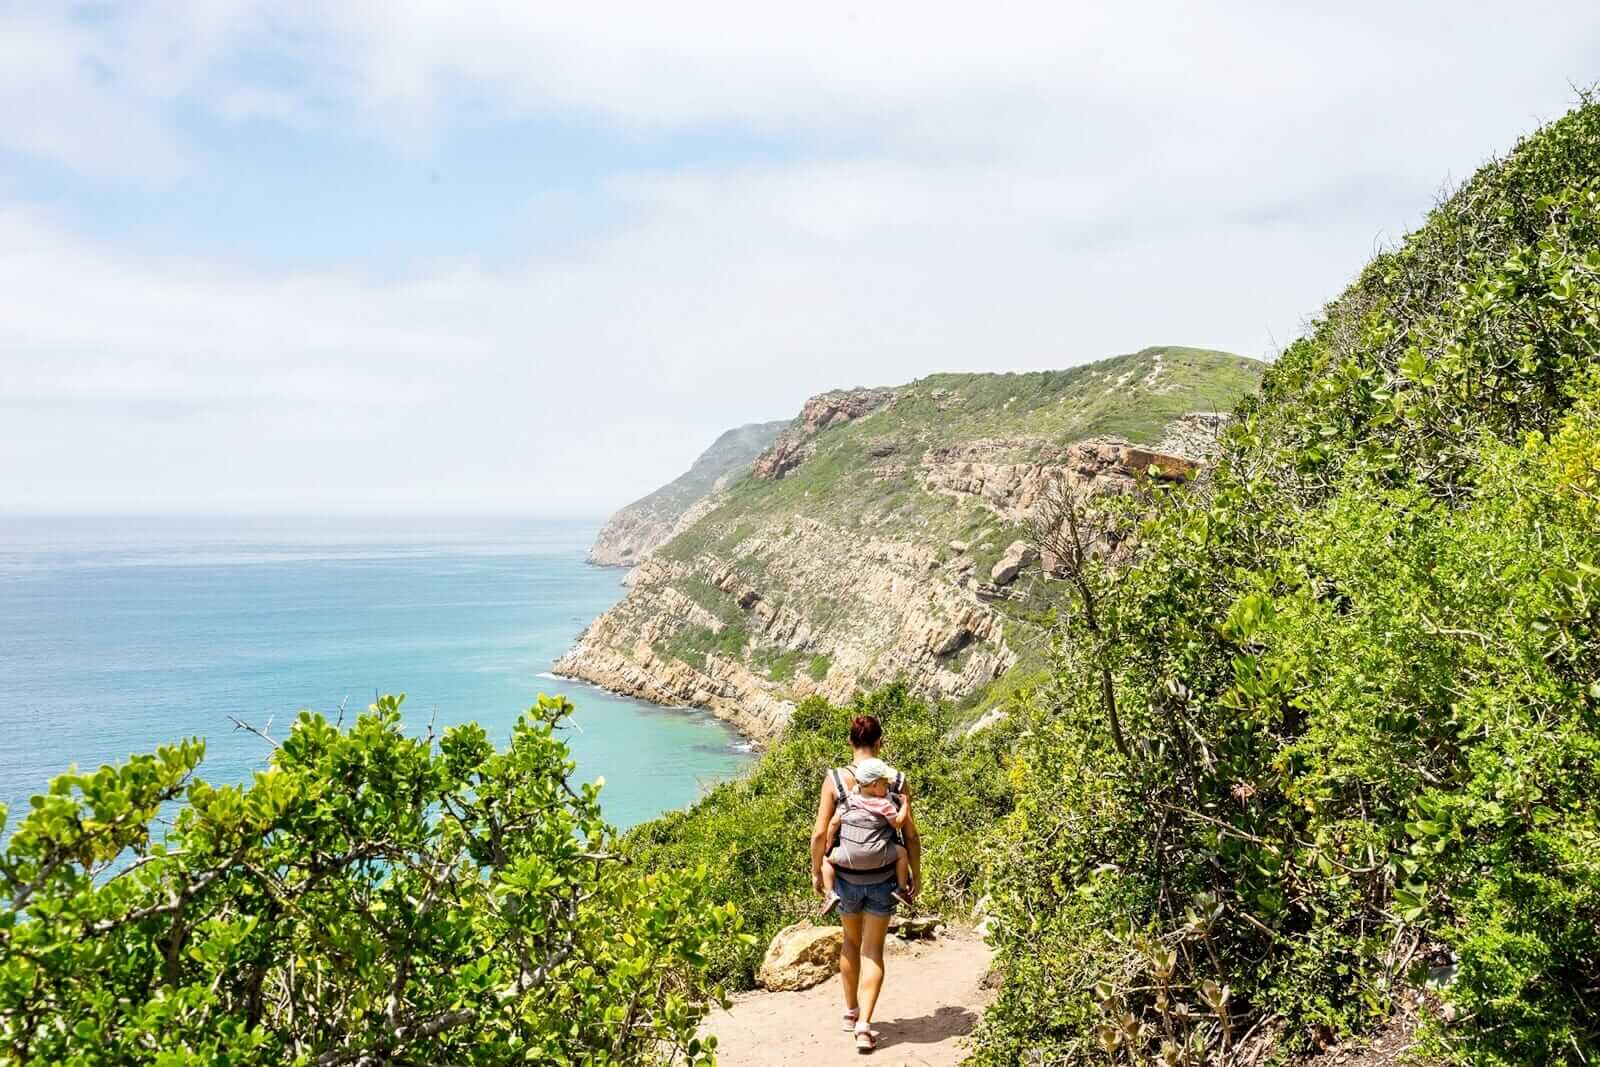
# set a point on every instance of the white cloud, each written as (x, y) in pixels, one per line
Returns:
(565, 386)
(961, 187)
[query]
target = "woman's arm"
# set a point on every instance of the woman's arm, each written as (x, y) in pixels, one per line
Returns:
(819, 832)
(913, 841)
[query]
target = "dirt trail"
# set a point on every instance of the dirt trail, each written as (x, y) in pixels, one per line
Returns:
(932, 996)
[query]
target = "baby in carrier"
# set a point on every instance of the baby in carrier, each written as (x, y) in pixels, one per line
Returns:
(866, 826)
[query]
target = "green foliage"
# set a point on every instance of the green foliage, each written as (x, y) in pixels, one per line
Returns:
(693, 643)
(758, 829)
(714, 599)
(368, 898)
(780, 666)
(1358, 668)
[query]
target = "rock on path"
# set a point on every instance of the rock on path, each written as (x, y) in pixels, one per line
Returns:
(933, 995)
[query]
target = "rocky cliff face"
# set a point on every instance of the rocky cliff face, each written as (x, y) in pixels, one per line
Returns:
(884, 535)
(635, 531)
(1011, 475)
(794, 446)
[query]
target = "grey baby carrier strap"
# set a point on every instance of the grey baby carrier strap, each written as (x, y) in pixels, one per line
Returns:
(896, 787)
(866, 842)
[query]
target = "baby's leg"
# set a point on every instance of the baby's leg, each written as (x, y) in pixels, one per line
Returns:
(830, 899)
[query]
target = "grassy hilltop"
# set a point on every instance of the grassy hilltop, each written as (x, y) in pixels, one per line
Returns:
(860, 547)
(865, 471)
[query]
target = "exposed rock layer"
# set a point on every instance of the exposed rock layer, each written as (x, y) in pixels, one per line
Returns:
(1010, 475)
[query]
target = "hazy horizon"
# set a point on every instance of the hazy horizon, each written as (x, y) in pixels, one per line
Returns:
(293, 258)
(597, 517)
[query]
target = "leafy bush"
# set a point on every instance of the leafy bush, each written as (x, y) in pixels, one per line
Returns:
(1358, 669)
(368, 898)
(756, 831)
(692, 643)
(780, 664)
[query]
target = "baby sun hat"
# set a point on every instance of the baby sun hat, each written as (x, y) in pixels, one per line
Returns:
(874, 770)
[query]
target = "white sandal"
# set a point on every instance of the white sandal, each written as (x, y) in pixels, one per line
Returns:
(850, 1017)
(866, 1038)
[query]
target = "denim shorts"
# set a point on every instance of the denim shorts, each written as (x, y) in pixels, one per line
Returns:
(877, 898)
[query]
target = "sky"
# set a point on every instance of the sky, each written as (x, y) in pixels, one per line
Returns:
(395, 256)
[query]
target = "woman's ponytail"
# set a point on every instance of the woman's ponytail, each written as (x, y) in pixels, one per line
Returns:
(865, 732)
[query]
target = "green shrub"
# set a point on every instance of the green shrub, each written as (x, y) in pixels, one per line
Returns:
(692, 644)
(368, 898)
(779, 664)
(1359, 671)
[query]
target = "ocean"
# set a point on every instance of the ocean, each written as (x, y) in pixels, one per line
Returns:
(121, 634)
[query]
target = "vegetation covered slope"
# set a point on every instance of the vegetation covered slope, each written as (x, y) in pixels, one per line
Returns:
(635, 531)
(1357, 667)
(862, 546)
(1360, 676)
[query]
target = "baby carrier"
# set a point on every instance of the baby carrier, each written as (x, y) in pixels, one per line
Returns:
(866, 841)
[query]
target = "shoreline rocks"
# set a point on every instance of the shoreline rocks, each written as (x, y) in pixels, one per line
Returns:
(727, 694)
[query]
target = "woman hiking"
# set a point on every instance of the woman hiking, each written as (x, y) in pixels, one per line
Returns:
(866, 895)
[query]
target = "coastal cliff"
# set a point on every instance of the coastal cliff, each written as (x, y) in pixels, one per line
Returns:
(883, 534)
(634, 532)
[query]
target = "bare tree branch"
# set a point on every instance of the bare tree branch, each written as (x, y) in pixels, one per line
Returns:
(240, 724)
(1059, 529)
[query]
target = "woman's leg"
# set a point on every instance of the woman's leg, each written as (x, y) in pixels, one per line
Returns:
(870, 948)
(850, 958)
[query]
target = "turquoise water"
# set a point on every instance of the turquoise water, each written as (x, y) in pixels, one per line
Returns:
(117, 635)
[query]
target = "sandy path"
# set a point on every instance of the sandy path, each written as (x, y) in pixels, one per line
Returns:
(932, 996)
